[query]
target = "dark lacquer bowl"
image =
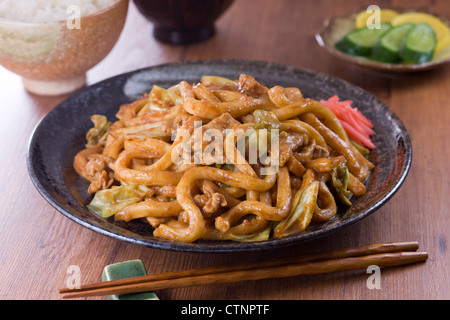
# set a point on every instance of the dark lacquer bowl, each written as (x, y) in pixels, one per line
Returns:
(62, 133)
(183, 21)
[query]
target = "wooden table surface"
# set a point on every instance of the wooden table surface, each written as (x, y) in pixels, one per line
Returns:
(38, 243)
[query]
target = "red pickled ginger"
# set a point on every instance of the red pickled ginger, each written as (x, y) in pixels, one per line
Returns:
(357, 126)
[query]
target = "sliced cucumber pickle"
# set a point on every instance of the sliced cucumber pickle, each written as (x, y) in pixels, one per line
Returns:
(419, 44)
(387, 48)
(360, 42)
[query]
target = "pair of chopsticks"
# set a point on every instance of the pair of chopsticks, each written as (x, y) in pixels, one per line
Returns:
(381, 255)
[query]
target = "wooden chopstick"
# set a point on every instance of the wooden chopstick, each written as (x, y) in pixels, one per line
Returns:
(383, 255)
(336, 254)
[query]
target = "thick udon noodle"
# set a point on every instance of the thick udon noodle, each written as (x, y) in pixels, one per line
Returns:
(223, 196)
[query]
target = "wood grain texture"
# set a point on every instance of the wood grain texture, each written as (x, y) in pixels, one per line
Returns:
(39, 244)
(273, 272)
(323, 257)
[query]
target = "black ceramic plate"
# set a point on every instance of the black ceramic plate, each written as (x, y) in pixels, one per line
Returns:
(61, 134)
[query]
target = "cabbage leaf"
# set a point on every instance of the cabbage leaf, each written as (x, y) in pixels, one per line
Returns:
(108, 202)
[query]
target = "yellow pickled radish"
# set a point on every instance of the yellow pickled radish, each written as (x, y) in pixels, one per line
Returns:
(386, 15)
(440, 28)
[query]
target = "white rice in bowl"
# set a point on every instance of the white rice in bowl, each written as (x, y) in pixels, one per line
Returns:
(48, 10)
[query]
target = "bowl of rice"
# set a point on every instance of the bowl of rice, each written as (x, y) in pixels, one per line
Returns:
(51, 44)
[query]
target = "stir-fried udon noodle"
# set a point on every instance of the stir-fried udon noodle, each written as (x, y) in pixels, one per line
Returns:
(222, 160)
